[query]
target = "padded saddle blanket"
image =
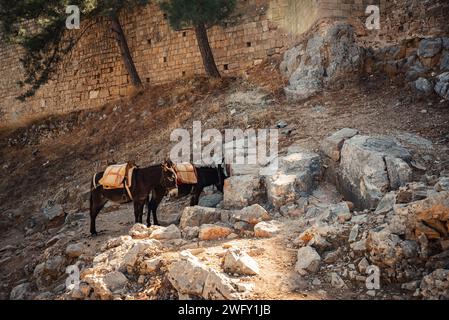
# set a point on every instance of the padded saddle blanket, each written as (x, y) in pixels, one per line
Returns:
(115, 175)
(186, 173)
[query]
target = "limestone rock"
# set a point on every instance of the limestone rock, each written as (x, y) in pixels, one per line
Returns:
(384, 248)
(191, 278)
(308, 260)
(75, 250)
(237, 261)
(196, 216)
(366, 166)
(329, 54)
(166, 233)
(20, 292)
(140, 231)
(442, 184)
(331, 146)
(211, 200)
(149, 266)
(190, 233)
(252, 214)
(242, 191)
(266, 229)
(49, 271)
(386, 204)
(115, 281)
(213, 232)
(435, 286)
(281, 189)
(54, 212)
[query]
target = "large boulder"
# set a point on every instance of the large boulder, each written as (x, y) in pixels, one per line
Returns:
(281, 189)
(370, 167)
(297, 175)
(242, 191)
(193, 279)
(196, 216)
(305, 165)
(331, 53)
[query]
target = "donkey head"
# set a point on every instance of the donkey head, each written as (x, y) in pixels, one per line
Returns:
(169, 178)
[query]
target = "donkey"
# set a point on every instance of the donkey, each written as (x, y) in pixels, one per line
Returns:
(144, 181)
(207, 176)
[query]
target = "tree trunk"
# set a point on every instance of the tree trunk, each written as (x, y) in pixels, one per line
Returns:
(206, 51)
(124, 52)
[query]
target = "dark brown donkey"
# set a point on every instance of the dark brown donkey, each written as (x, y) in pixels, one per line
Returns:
(144, 180)
(207, 176)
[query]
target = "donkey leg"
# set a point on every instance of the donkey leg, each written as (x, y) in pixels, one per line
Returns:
(97, 202)
(196, 196)
(156, 197)
(138, 211)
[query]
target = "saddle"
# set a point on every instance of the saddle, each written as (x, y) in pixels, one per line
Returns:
(118, 176)
(186, 173)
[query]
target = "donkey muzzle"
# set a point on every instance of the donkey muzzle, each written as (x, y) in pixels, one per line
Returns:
(173, 193)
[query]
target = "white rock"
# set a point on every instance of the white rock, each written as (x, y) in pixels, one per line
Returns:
(242, 191)
(149, 266)
(196, 216)
(140, 231)
(281, 189)
(237, 261)
(266, 229)
(191, 278)
(252, 214)
(169, 233)
(331, 146)
(366, 166)
(308, 260)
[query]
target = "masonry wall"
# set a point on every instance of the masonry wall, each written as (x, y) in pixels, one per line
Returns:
(93, 74)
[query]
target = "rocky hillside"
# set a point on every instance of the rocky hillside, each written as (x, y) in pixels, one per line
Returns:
(362, 189)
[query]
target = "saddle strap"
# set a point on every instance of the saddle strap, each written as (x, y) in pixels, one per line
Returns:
(127, 183)
(128, 191)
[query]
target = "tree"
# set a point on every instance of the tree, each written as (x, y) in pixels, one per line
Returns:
(199, 14)
(39, 26)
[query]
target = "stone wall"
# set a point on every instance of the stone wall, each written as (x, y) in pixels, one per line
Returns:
(93, 74)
